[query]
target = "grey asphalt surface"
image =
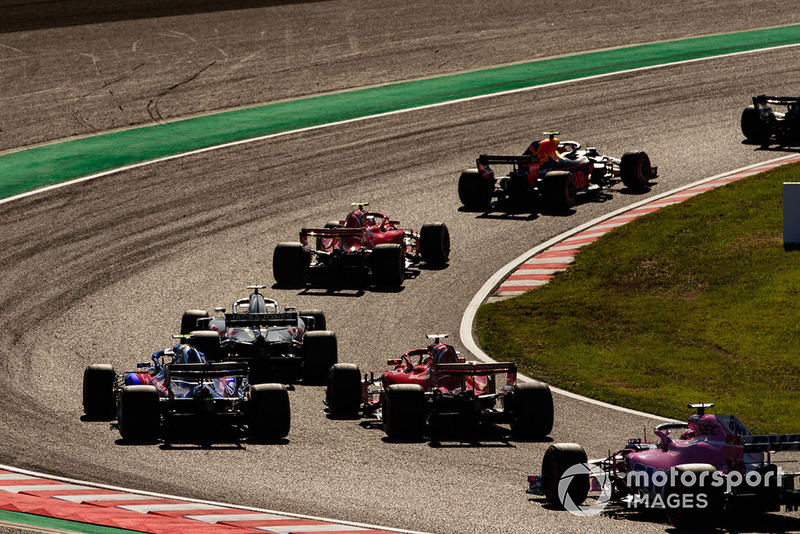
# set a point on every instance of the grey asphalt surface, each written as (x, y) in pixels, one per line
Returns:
(101, 271)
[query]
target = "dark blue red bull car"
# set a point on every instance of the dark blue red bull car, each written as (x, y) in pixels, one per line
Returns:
(429, 384)
(551, 174)
(179, 386)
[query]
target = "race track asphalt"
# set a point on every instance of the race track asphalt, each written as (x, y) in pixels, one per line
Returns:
(101, 271)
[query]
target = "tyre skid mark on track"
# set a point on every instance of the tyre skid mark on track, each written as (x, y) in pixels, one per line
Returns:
(41, 495)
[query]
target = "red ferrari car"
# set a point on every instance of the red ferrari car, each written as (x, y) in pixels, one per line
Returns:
(368, 243)
(429, 383)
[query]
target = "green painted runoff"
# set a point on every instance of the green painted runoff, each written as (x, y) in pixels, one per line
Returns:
(41, 166)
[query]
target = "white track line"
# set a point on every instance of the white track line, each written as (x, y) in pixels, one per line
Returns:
(465, 331)
(377, 115)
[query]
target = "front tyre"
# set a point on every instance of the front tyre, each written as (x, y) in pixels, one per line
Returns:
(635, 170)
(434, 243)
(557, 459)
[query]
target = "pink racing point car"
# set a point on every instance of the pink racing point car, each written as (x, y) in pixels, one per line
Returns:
(367, 243)
(698, 472)
(430, 383)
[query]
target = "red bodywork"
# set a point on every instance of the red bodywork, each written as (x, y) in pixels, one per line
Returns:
(439, 369)
(361, 230)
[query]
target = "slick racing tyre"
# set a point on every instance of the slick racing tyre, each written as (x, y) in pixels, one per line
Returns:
(343, 393)
(189, 320)
(98, 391)
(434, 243)
(139, 415)
(320, 352)
(560, 190)
(635, 170)
(269, 413)
(404, 413)
(557, 459)
(317, 321)
(531, 406)
(752, 127)
(207, 342)
(289, 263)
(388, 264)
(695, 505)
(475, 191)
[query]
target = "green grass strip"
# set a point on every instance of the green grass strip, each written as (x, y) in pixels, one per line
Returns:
(697, 302)
(51, 523)
(54, 163)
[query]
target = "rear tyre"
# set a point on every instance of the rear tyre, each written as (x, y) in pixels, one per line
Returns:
(289, 264)
(320, 352)
(317, 320)
(561, 191)
(343, 393)
(557, 459)
(139, 415)
(531, 410)
(98, 391)
(269, 412)
(635, 170)
(189, 320)
(388, 264)
(693, 501)
(753, 129)
(207, 342)
(404, 413)
(475, 191)
(434, 243)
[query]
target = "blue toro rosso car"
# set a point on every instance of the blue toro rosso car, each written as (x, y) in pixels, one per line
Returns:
(178, 384)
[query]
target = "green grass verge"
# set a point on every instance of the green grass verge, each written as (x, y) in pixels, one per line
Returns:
(698, 302)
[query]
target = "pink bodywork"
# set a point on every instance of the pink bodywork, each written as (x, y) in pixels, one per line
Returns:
(709, 439)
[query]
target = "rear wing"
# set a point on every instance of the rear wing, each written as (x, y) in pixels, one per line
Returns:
(200, 371)
(261, 319)
(486, 159)
(770, 442)
(475, 369)
(762, 100)
(330, 232)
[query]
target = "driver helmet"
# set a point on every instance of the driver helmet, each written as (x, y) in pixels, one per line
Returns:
(186, 354)
(441, 353)
(356, 218)
(548, 148)
(257, 304)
